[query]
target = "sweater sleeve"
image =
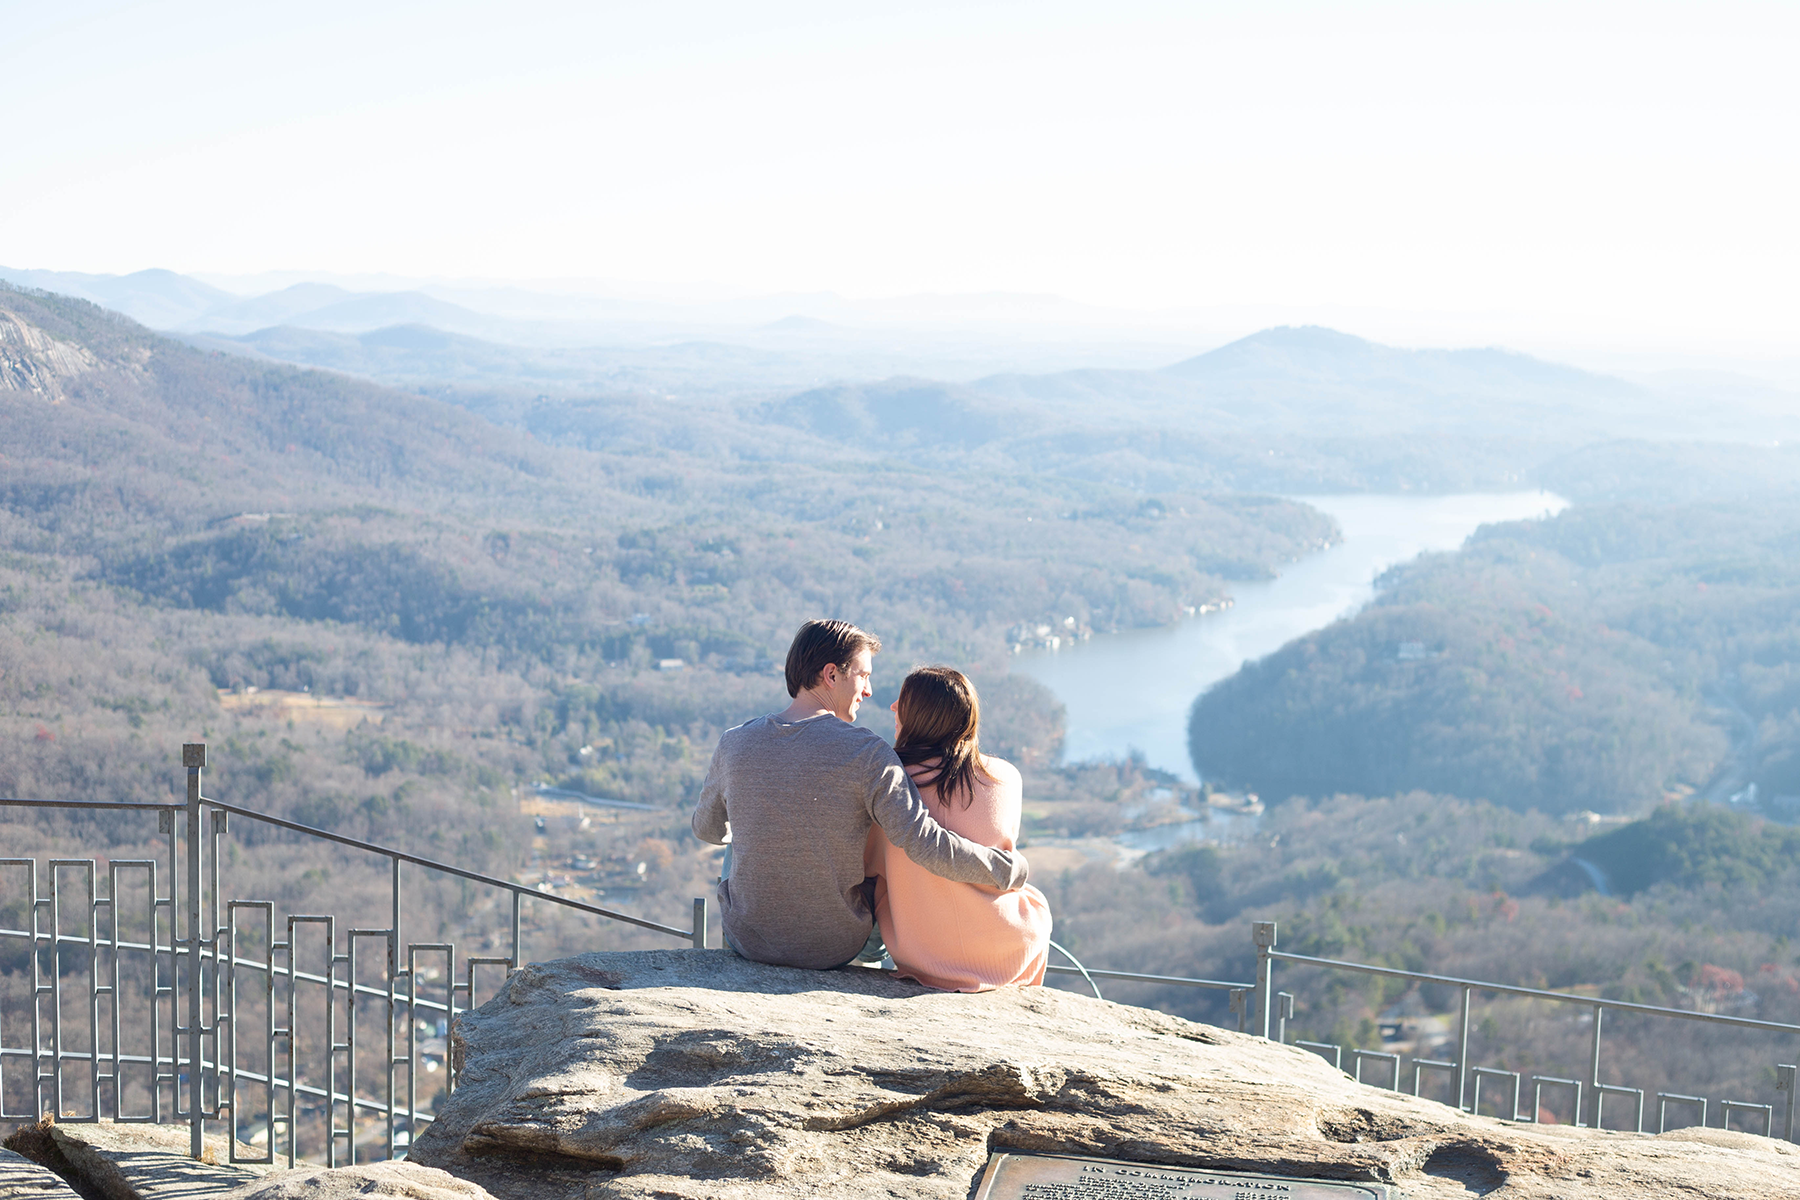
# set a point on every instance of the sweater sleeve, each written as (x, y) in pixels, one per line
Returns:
(709, 822)
(895, 806)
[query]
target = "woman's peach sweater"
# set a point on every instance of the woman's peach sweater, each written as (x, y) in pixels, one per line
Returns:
(962, 937)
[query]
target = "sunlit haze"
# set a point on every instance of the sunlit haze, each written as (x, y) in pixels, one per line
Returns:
(1320, 467)
(1580, 176)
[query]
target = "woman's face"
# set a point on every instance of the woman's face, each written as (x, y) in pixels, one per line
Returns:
(895, 709)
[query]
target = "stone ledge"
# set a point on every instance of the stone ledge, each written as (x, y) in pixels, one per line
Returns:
(135, 1161)
(22, 1179)
(697, 1074)
(150, 1162)
(406, 1180)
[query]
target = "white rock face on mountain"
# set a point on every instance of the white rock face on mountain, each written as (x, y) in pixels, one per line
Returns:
(685, 1074)
(33, 361)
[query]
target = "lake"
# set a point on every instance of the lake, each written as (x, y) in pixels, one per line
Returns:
(1132, 691)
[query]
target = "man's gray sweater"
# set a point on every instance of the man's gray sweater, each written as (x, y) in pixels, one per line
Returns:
(796, 800)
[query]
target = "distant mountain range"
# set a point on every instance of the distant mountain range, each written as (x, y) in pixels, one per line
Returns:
(157, 298)
(174, 303)
(1319, 381)
(170, 302)
(425, 355)
(332, 309)
(1305, 383)
(944, 337)
(1287, 408)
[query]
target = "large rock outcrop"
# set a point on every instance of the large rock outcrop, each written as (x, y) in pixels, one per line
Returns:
(401, 1180)
(684, 1074)
(134, 1161)
(112, 1161)
(22, 1179)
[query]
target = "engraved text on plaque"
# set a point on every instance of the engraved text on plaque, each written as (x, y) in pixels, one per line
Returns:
(1065, 1177)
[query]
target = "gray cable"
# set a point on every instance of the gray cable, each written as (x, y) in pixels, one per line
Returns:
(1079, 967)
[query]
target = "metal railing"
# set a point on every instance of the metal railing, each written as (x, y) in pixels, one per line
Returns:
(163, 1016)
(1463, 1073)
(1240, 992)
(1269, 1020)
(177, 1050)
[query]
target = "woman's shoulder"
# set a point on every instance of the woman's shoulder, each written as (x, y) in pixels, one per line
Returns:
(1001, 771)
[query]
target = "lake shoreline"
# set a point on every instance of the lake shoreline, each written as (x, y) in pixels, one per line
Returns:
(1132, 690)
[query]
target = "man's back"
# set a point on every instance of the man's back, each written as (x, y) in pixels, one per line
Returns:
(799, 798)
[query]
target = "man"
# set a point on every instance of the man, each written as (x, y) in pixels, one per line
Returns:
(795, 793)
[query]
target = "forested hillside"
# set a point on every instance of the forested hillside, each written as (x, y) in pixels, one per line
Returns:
(392, 614)
(1607, 659)
(174, 522)
(1432, 883)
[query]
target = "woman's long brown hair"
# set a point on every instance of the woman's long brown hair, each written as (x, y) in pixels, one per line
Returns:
(940, 716)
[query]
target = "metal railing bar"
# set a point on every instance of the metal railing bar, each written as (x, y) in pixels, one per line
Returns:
(372, 848)
(142, 805)
(279, 1082)
(1728, 1107)
(102, 943)
(1134, 976)
(1319, 1048)
(459, 872)
(144, 1059)
(368, 1105)
(131, 1059)
(361, 989)
(1534, 993)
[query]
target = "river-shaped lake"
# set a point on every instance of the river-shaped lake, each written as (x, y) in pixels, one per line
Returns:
(1132, 691)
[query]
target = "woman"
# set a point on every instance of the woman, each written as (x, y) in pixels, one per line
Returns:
(961, 937)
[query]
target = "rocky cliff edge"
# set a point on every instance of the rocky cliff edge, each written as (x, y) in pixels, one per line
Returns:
(698, 1074)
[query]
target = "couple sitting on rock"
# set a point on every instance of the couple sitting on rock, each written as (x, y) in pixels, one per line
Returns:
(830, 829)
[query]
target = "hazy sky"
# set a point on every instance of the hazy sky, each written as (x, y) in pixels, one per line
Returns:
(1612, 170)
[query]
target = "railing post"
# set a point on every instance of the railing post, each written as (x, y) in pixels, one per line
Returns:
(1462, 1055)
(42, 1081)
(193, 757)
(165, 824)
(699, 922)
(1784, 1083)
(1594, 1067)
(393, 1008)
(517, 960)
(217, 827)
(1263, 934)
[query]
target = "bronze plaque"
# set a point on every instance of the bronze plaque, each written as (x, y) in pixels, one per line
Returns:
(1065, 1177)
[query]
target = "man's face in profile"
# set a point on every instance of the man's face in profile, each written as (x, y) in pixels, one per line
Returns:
(845, 688)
